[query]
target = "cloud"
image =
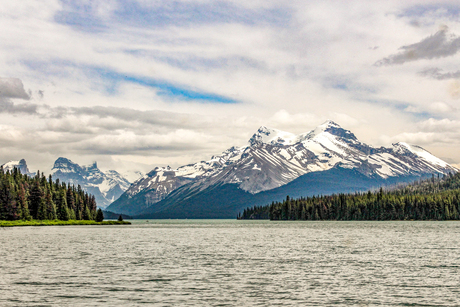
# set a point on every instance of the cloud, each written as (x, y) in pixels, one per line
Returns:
(432, 47)
(7, 106)
(440, 125)
(12, 88)
(438, 10)
(172, 143)
(129, 117)
(99, 16)
(454, 89)
(437, 107)
(284, 120)
(415, 138)
(121, 78)
(111, 80)
(437, 73)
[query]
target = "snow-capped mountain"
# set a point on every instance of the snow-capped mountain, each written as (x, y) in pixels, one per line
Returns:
(105, 186)
(21, 165)
(273, 159)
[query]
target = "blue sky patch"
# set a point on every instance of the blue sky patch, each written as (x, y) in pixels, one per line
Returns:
(440, 10)
(168, 13)
(111, 80)
(164, 88)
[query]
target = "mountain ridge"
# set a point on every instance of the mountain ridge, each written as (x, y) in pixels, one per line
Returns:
(21, 165)
(105, 186)
(273, 158)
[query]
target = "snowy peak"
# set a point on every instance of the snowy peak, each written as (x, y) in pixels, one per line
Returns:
(105, 186)
(330, 127)
(65, 165)
(274, 158)
(270, 136)
(92, 166)
(21, 165)
(328, 130)
(411, 150)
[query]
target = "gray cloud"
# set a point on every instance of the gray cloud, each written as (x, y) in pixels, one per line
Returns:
(432, 47)
(130, 116)
(437, 73)
(12, 88)
(7, 106)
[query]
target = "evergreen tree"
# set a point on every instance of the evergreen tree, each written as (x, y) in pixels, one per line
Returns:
(24, 197)
(62, 209)
(99, 215)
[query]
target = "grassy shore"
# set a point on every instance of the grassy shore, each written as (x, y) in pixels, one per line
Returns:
(58, 223)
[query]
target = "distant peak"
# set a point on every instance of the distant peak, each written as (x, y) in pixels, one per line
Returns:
(404, 148)
(332, 128)
(264, 129)
(63, 160)
(330, 123)
(265, 135)
(21, 165)
(162, 168)
(64, 163)
(93, 166)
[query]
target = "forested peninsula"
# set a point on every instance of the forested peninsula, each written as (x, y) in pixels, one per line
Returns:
(430, 199)
(25, 200)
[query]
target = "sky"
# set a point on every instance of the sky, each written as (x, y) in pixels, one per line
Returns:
(139, 84)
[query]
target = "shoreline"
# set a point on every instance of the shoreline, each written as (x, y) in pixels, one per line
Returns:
(59, 223)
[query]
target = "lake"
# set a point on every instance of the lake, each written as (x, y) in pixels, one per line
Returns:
(232, 263)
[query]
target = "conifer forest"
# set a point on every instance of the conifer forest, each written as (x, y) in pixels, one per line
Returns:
(436, 198)
(39, 198)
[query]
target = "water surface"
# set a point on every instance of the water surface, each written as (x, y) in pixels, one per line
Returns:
(232, 263)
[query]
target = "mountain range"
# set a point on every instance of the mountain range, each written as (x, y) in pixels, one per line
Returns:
(105, 186)
(273, 164)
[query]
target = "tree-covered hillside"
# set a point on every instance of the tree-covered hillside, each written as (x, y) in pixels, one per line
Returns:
(431, 199)
(24, 198)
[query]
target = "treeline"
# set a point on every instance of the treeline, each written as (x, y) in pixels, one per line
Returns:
(40, 198)
(430, 199)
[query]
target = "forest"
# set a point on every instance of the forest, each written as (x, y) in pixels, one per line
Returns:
(436, 198)
(40, 198)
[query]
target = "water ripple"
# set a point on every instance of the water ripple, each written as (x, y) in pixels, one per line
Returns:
(232, 263)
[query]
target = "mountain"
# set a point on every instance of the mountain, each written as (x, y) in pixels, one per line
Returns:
(21, 165)
(105, 186)
(273, 164)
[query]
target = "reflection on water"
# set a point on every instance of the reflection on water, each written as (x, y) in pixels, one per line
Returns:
(232, 263)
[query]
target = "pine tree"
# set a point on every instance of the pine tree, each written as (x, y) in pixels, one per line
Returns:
(62, 209)
(99, 215)
(50, 206)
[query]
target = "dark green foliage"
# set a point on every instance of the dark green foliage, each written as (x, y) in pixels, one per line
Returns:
(25, 198)
(431, 199)
(99, 215)
(120, 218)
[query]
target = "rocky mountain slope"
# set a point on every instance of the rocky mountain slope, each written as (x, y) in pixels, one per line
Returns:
(21, 165)
(105, 186)
(271, 161)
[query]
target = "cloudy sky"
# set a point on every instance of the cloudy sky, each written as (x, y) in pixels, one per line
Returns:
(137, 84)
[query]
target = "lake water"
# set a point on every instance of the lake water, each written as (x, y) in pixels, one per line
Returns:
(232, 263)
